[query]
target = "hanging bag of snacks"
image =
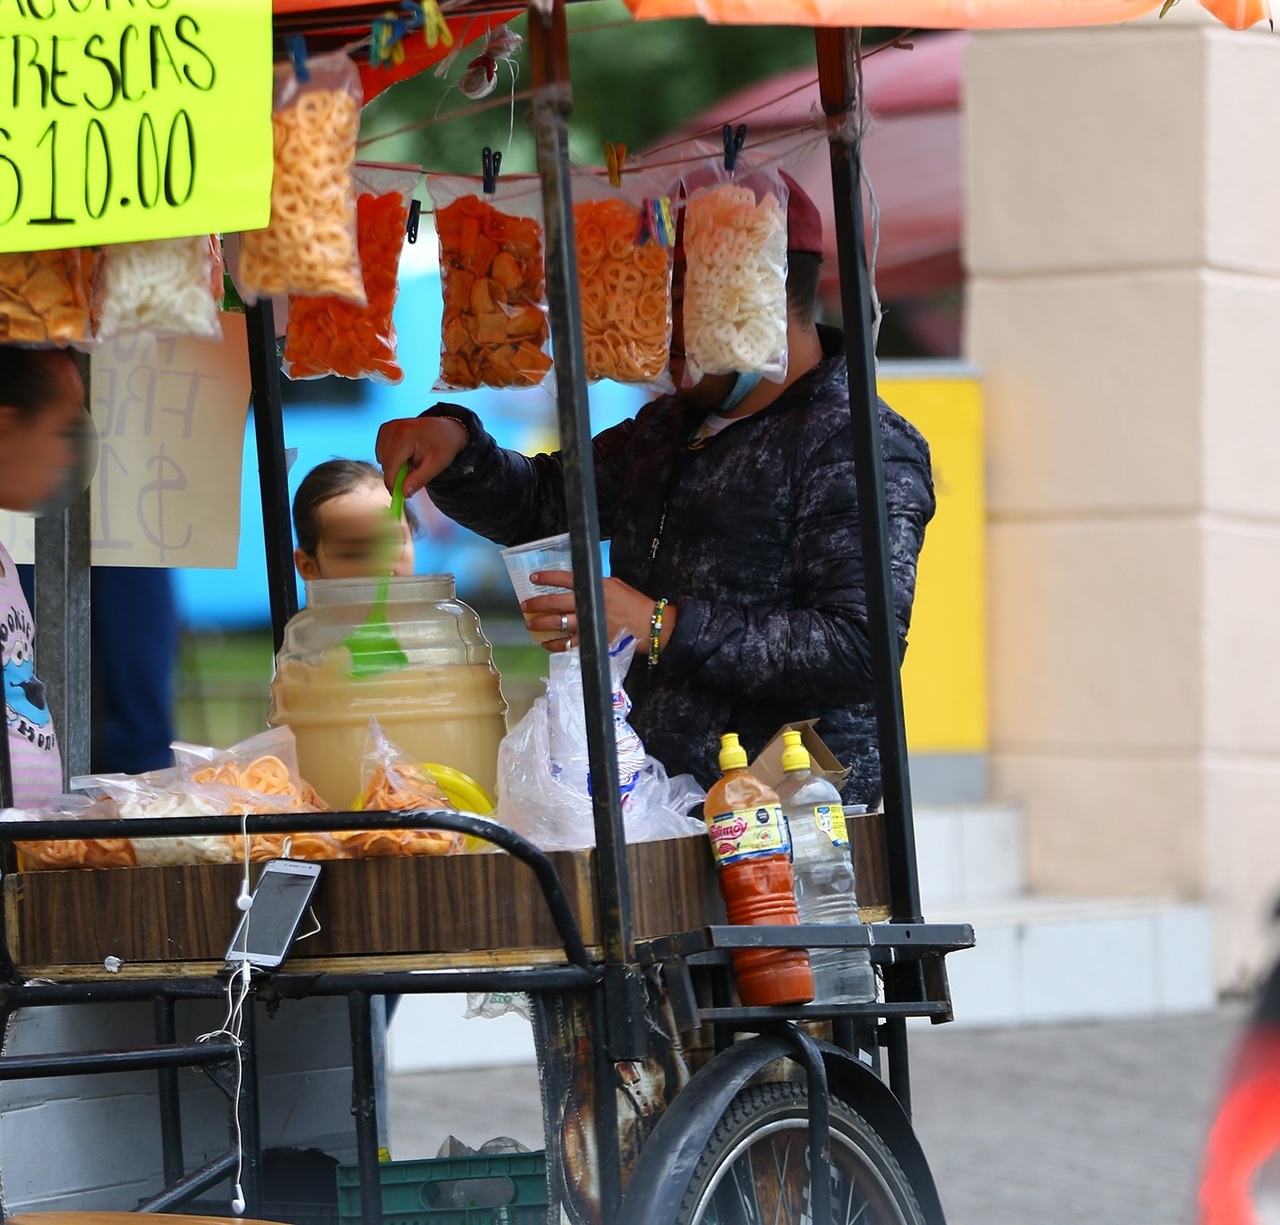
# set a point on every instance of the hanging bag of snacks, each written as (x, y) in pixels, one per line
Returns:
(309, 245)
(44, 298)
(623, 232)
(735, 280)
(494, 331)
(166, 287)
(332, 335)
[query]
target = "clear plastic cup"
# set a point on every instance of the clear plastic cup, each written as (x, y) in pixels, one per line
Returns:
(525, 559)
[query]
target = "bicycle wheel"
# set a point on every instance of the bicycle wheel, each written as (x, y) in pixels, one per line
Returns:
(756, 1167)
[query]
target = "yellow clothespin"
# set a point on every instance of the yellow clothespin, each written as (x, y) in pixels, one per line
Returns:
(615, 157)
(435, 28)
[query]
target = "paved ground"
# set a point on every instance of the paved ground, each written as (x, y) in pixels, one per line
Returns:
(1089, 1124)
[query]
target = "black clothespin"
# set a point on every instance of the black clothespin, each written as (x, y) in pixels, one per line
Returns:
(296, 48)
(733, 142)
(491, 161)
(415, 215)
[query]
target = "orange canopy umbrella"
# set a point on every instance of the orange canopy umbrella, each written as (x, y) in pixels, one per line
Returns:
(937, 14)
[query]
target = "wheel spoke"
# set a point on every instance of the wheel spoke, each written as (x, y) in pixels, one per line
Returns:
(762, 1175)
(781, 1171)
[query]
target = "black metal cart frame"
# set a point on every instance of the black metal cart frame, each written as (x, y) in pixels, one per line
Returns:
(909, 952)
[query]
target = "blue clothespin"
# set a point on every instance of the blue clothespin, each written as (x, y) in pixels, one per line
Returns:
(415, 17)
(733, 142)
(296, 48)
(491, 163)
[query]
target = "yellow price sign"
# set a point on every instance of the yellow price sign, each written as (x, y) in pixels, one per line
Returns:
(123, 120)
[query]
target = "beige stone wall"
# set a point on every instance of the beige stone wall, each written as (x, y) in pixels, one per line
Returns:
(1124, 261)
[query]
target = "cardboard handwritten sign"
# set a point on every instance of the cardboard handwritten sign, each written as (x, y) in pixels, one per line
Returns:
(171, 415)
(125, 121)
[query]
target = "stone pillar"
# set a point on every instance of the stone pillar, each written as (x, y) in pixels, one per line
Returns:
(1124, 308)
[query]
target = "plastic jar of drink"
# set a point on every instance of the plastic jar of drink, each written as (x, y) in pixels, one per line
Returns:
(442, 704)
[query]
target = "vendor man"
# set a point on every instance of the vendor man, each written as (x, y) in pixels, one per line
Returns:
(732, 500)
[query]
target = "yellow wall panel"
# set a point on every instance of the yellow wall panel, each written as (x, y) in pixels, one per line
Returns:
(944, 675)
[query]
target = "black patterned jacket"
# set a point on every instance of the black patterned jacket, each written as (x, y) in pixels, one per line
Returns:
(757, 547)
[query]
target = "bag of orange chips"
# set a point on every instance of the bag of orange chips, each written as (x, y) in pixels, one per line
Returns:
(309, 244)
(495, 331)
(624, 279)
(332, 335)
(392, 782)
(44, 298)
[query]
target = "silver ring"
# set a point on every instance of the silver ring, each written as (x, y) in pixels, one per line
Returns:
(564, 623)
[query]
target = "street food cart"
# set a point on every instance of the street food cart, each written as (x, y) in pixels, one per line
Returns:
(664, 1098)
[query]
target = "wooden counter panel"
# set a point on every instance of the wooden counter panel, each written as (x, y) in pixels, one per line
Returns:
(367, 908)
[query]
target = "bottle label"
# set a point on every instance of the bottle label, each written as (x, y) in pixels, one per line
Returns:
(748, 833)
(830, 820)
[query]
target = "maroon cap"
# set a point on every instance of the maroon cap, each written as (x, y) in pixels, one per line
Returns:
(804, 222)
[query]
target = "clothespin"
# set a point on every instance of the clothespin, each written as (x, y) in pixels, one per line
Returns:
(434, 26)
(615, 157)
(491, 162)
(657, 223)
(296, 48)
(415, 215)
(666, 221)
(649, 224)
(386, 41)
(733, 142)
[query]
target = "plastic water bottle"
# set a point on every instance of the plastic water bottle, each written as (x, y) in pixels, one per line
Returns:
(823, 869)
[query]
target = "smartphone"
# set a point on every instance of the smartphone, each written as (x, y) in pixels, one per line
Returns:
(267, 929)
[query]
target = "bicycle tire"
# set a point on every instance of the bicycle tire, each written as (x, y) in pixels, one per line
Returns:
(868, 1184)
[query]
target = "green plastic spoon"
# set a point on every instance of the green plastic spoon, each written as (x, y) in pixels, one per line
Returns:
(373, 647)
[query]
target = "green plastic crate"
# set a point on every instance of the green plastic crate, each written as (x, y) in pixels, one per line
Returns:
(502, 1189)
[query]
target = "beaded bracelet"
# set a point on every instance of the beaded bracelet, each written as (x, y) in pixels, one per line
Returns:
(655, 633)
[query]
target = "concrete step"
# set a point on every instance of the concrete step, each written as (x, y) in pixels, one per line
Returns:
(1061, 959)
(969, 853)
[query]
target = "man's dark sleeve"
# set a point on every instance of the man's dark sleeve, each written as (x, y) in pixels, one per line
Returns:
(510, 498)
(817, 652)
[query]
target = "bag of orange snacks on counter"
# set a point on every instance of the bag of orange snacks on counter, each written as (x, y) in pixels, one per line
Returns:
(495, 331)
(331, 335)
(392, 782)
(258, 775)
(72, 852)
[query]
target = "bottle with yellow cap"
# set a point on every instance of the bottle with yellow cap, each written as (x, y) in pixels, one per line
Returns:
(823, 870)
(752, 849)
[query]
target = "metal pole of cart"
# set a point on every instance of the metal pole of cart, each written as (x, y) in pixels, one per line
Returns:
(62, 620)
(552, 102)
(622, 1004)
(837, 84)
(273, 473)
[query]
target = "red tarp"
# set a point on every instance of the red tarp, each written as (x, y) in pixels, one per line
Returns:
(911, 154)
(418, 56)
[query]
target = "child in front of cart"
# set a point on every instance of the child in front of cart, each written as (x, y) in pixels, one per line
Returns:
(340, 515)
(42, 437)
(341, 520)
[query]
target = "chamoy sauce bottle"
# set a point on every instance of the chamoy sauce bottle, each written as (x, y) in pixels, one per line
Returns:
(751, 847)
(823, 870)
